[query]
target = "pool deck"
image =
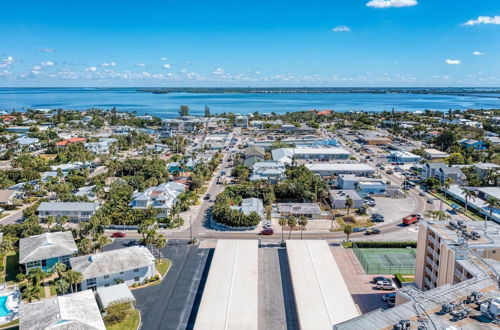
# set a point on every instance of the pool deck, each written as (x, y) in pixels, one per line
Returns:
(12, 303)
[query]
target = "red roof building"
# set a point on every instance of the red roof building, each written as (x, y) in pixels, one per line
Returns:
(69, 141)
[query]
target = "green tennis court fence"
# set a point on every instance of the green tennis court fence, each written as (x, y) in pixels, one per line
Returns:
(388, 265)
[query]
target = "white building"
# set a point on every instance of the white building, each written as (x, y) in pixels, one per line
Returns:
(286, 155)
(75, 211)
(333, 169)
(272, 171)
(241, 121)
(161, 197)
(338, 198)
(101, 147)
(308, 210)
(403, 157)
(72, 311)
(130, 265)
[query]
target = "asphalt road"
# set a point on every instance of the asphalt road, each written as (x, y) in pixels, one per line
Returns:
(172, 304)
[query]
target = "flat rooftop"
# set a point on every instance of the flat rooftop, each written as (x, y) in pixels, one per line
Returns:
(321, 295)
(230, 297)
(446, 232)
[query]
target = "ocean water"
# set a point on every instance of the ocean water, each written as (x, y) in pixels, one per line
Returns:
(167, 105)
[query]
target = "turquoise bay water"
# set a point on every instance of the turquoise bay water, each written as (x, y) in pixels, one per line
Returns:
(167, 105)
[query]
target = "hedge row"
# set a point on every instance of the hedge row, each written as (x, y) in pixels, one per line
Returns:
(386, 244)
(400, 279)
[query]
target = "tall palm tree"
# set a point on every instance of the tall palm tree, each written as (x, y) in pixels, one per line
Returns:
(348, 231)
(468, 194)
(292, 223)
(348, 204)
(492, 203)
(73, 278)
(59, 268)
(302, 223)
(282, 222)
(36, 276)
(62, 286)
(31, 292)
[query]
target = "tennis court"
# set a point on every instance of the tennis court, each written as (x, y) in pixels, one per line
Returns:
(386, 261)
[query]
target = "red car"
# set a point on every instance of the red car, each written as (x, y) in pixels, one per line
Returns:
(118, 234)
(268, 231)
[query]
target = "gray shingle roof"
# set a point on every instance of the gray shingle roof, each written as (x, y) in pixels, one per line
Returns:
(67, 206)
(46, 246)
(77, 311)
(112, 262)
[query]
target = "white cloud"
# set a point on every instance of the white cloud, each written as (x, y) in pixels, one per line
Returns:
(141, 64)
(46, 50)
(36, 67)
(91, 69)
(478, 53)
(484, 20)
(453, 62)
(218, 71)
(48, 63)
(7, 62)
(166, 66)
(341, 28)
(108, 64)
(163, 58)
(391, 3)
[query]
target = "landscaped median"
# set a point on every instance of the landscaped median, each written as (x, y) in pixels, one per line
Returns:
(162, 267)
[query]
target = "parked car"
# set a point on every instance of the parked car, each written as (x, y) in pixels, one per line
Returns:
(388, 296)
(430, 200)
(392, 301)
(381, 278)
(118, 234)
(268, 231)
(207, 197)
(372, 231)
(358, 229)
(421, 193)
(390, 172)
(385, 285)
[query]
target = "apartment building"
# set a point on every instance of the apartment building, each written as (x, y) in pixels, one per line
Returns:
(450, 252)
(74, 211)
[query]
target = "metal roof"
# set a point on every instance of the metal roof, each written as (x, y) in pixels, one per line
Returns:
(67, 206)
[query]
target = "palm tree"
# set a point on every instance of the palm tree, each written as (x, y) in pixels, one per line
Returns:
(50, 221)
(62, 286)
(282, 221)
(292, 223)
(302, 223)
(348, 203)
(31, 292)
(36, 276)
(348, 231)
(59, 268)
(492, 203)
(73, 278)
(468, 194)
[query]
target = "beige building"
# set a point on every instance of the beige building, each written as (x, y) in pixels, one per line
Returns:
(444, 252)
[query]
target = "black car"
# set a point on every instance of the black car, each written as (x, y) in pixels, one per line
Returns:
(381, 278)
(207, 197)
(372, 231)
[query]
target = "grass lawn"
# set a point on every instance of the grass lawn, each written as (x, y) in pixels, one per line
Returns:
(53, 291)
(131, 322)
(163, 265)
(11, 325)
(11, 266)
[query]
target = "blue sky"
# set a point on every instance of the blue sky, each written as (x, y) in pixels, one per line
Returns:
(250, 43)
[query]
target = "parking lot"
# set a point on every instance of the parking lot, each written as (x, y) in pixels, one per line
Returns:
(393, 209)
(363, 292)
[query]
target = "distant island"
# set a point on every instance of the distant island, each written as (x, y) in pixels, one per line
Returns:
(461, 91)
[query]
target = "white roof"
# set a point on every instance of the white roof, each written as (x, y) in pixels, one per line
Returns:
(72, 311)
(321, 295)
(340, 167)
(119, 293)
(230, 298)
(46, 246)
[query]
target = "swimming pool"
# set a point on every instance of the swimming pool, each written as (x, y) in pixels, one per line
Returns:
(4, 310)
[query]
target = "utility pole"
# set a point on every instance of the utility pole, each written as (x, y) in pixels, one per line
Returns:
(190, 228)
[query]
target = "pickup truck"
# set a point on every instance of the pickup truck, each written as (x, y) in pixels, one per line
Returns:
(410, 219)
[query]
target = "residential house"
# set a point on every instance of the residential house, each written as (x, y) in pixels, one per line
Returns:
(493, 140)
(45, 250)
(429, 170)
(102, 147)
(272, 171)
(249, 205)
(311, 211)
(484, 170)
(65, 143)
(7, 197)
(161, 198)
(72, 311)
(186, 166)
(334, 169)
(255, 151)
(75, 211)
(453, 173)
(31, 144)
(250, 161)
(130, 265)
(338, 198)
(471, 143)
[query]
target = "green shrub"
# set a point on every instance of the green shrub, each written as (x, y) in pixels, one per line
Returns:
(154, 278)
(386, 244)
(347, 245)
(116, 313)
(400, 279)
(135, 285)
